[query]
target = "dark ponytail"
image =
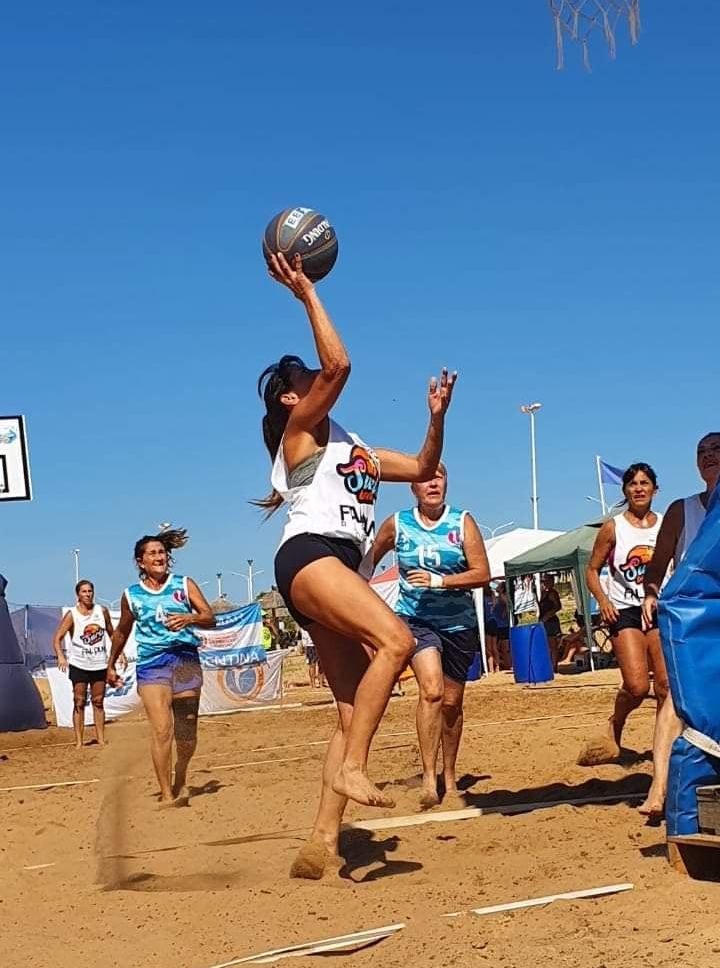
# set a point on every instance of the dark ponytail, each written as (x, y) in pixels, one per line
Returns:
(170, 539)
(277, 381)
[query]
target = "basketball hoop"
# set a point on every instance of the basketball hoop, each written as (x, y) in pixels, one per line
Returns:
(580, 19)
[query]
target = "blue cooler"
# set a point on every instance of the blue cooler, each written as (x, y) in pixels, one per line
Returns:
(476, 669)
(530, 654)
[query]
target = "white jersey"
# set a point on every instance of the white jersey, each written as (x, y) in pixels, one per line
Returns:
(693, 516)
(634, 548)
(89, 641)
(339, 501)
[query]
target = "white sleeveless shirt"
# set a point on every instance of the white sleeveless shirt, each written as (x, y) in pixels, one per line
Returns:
(339, 502)
(693, 516)
(89, 640)
(634, 548)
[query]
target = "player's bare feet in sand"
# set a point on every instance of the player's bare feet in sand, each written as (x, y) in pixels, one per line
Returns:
(428, 796)
(314, 860)
(183, 800)
(601, 749)
(654, 804)
(358, 786)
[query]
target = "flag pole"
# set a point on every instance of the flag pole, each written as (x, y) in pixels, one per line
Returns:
(600, 484)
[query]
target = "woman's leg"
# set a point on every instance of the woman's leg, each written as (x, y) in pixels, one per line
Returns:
(79, 699)
(335, 597)
(492, 654)
(667, 728)
(185, 723)
(452, 727)
(157, 700)
(97, 697)
(631, 651)
(554, 645)
(427, 667)
(345, 663)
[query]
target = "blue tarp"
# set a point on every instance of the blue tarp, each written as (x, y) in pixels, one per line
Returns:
(21, 706)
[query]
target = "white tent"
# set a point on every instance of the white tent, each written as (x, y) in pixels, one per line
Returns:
(499, 550)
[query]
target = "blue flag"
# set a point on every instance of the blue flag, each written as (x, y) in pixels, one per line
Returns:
(610, 474)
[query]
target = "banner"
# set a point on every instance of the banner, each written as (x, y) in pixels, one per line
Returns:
(119, 700)
(227, 690)
(237, 672)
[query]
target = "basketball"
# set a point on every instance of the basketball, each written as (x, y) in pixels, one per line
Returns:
(307, 233)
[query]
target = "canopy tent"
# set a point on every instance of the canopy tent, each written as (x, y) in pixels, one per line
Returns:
(567, 552)
(21, 706)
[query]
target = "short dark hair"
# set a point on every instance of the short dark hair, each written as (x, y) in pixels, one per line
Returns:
(639, 467)
(83, 581)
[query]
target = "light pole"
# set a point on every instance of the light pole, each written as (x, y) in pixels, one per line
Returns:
(76, 554)
(249, 579)
(494, 531)
(218, 575)
(532, 409)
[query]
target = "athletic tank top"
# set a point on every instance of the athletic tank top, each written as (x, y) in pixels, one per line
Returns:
(633, 550)
(693, 516)
(339, 501)
(89, 640)
(436, 548)
(151, 608)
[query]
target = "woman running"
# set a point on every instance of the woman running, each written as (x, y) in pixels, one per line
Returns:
(678, 530)
(549, 608)
(441, 555)
(165, 609)
(89, 627)
(329, 479)
(626, 543)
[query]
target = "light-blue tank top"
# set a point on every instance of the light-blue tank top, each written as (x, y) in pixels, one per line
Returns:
(437, 549)
(151, 608)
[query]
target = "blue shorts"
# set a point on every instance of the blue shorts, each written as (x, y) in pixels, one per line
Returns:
(180, 670)
(457, 649)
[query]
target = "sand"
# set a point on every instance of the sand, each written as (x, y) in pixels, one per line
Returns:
(193, 887)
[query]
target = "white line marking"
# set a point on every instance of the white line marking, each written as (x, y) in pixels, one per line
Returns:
(541, 901)
(316, 947)
(47, 786)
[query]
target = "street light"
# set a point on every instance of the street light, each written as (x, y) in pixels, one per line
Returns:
(494, 531)
(532, 409)
(249, 579)
(218, 575)
(76, 553)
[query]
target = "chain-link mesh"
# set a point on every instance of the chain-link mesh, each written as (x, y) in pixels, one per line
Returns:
(580, 19)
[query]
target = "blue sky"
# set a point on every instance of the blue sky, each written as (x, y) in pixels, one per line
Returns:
(553, 235)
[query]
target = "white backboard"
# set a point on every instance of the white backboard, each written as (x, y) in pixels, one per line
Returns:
(15, 484)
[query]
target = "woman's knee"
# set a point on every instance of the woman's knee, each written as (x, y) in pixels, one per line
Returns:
(397, 642)
(432, 691)
(98, 702)
(637, 686)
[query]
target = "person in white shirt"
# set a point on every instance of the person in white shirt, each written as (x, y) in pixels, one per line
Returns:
(626, 543)
(89, 628)
(329, 479)
(680, 526)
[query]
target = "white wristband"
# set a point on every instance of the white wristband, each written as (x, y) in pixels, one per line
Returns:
(436, 581)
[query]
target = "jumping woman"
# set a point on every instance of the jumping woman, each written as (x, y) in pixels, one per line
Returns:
(329, 479)
(165, 608)
(442, 557)
(627, 543)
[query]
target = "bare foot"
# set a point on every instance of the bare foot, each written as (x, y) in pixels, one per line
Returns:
(314, 860)
(78, 746)
(654, 805)
(429, 797)
(358, 786)
(181, 801)
(601, 749)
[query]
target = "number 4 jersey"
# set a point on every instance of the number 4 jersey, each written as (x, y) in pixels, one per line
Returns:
(437, 548)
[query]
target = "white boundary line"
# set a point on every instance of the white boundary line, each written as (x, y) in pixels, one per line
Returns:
(316, 947)
(542, 901)
(47, 786)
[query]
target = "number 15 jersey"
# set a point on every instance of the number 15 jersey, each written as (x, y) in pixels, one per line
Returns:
(439, 549)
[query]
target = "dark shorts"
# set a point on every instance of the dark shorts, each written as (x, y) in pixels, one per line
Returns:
(552, 627)
(86, 676)
(310, 654)
(502, 632)
(491, 627)
(180, 670)
(457, 649)
(630, 618)
(301, 550)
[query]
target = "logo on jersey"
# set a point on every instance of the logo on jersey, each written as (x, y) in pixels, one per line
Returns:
(92, 634)
(361, 475)
(633, 569)
(179, 595)
(454, 537)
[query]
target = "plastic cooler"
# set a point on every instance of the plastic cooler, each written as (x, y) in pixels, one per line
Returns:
(530, 654)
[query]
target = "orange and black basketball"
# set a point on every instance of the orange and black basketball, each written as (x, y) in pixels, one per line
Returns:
(303, 231)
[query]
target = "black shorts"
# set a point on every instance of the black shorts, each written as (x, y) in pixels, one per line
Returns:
(502, 632)
(552, 627)
(88, 676)
(301, 550)
(457, 649)
(630, 618)
(491, 627)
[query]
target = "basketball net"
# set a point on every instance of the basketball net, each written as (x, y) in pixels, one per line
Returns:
(580, 19)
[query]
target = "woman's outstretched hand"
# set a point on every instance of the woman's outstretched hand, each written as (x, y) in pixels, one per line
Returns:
(292, 277)
(440, 394)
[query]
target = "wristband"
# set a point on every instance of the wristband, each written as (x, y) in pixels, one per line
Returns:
(436, 581)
